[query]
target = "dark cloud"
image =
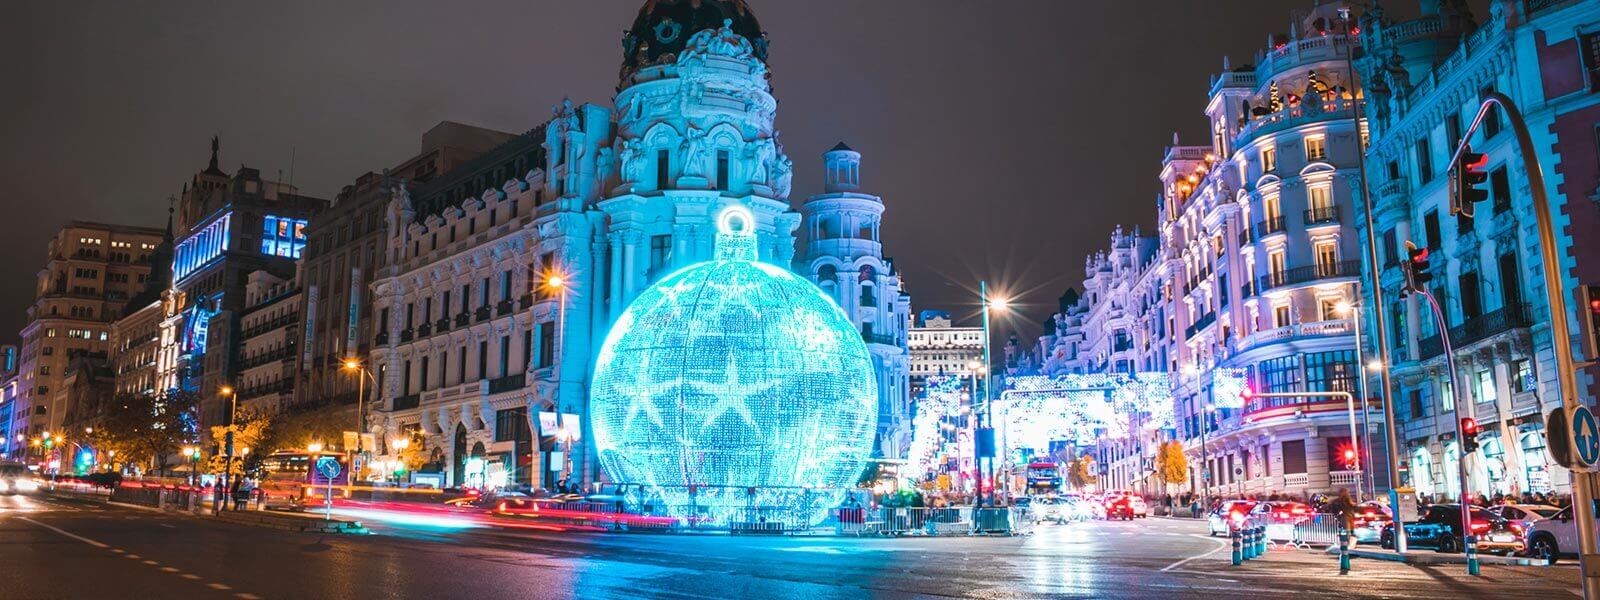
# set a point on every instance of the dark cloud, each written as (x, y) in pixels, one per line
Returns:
(1006, 137)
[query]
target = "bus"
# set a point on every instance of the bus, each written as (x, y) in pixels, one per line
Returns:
(1044, 477)
(293, 483)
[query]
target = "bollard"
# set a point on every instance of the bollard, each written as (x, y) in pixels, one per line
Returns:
(1261, 540)
(1344, 552)
(1471, 546)
(1238, 547)
(1249, 543)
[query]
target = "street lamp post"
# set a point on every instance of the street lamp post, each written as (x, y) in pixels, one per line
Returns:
(1364, 449)
(556, 280)
(989, 304)
(400, 446)
(227, 469)
(362, 375)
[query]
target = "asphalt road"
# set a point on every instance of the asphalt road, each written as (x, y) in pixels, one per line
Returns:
(62, 548)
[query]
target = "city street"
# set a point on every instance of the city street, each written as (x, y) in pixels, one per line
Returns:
(64, 548)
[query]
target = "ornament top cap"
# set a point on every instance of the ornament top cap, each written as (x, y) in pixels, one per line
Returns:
(736, 234)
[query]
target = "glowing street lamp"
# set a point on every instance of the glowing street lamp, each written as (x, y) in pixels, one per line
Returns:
(990, 304)
(362, 375)
(314, 447)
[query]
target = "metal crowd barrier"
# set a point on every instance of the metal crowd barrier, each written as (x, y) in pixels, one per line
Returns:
(1321, 529)
(929, 521)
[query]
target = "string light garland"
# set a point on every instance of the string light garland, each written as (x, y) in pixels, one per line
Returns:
(735, 387)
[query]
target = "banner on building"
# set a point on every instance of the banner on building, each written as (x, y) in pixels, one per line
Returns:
(311, 327)
(573, 425)
(549, 424)
(354, 312)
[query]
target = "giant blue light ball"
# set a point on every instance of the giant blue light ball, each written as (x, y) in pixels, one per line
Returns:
(734, 385)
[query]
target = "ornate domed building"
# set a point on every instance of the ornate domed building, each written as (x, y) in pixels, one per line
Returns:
(663, 28)
(613, 199)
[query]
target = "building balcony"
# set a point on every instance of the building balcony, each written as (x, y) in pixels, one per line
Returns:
(1200, 325)
(878, 338)
(1269, 226)
(425, 330)
(382, 339)
(407, 335)
(1478, 329)
(407, 402)
(1299, 275)
(442, 325)
(1292, 332)
(482, 314)
(463, 319)
(1294, 116)
(1322, 216)
(1257, 410)
(1244, 236)
(503, 308)
(1248, 290)
(509, 383)
(525, 302)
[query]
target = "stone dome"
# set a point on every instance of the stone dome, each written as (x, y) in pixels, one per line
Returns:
(735, 383)
(663, 28)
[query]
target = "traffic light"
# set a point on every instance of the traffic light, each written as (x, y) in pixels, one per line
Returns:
(1589, 300)
(1469, 435)
(1468, 176)
(1415, 269)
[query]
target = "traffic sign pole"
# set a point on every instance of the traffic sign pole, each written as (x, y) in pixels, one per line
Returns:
(1566, 366)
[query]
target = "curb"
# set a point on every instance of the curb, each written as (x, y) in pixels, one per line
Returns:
(1434, 558)
(293, 523)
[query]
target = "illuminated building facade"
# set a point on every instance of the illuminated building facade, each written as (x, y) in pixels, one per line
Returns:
(478, 350)
(844, 256)
(937, 347)
(227, 228)
(346, 248)
(1255, 254)
(90, 273)
(269, 343)
(1429, 76)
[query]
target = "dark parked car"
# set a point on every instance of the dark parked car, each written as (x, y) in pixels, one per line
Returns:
(1440, 529)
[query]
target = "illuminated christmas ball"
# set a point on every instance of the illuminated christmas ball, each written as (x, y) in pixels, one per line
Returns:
(734, 384)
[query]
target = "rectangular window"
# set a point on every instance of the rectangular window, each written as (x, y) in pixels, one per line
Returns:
(1316, 148)
(1424, 161)
(1471, 301)
(1328, 309)
(423, 383)
(1327, 259)
(483, 359)
(405, 381)
(1391, 254)
(1510, 282)
(1486, 389)
(1418, 409)
(505, 286)
(510, 424)
(1447, 395)
(1333, 371)
(505, 355)
(461, 365)
(1280, 315)
(660, 253)
(1294, 457)
(663, 162)
(722, 170)
(527, 347)
(1430, 228)
(1452, 130)
(1269, 160)
(1522, 376)
(1276, 266)
(547, 344)
(1500, 189)
(1491, 121)
(1321, 197)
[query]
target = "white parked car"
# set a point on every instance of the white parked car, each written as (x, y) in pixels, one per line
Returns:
(1524, 514)
(1552, 538)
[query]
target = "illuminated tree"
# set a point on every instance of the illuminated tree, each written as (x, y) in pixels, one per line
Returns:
(249, 431)
(1081, 472)
(1172, 463)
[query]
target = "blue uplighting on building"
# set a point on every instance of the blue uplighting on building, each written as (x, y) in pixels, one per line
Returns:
(734, 383)
(204, 246)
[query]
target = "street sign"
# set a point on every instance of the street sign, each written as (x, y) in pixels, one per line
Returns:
(328, 467)
(1574, 442)
(1585, 436)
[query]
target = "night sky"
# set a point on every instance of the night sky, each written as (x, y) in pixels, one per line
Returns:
(1007, 138)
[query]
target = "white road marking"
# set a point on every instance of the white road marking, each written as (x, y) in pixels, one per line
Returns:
(218, 586)
(170, 569)
(151, 563)
(1220, 546)
(168, 526)
(190, 576)
(247, 596)
(70, 535)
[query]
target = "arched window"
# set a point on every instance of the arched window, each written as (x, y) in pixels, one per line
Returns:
(828, 273)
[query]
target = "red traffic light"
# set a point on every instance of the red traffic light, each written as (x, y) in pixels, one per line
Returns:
(1349, 454)
(1469, 427)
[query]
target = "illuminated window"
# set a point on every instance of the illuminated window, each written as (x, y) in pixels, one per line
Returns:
(1269, 160)
(283, 236)
(1316, 148)
(1321, 197)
